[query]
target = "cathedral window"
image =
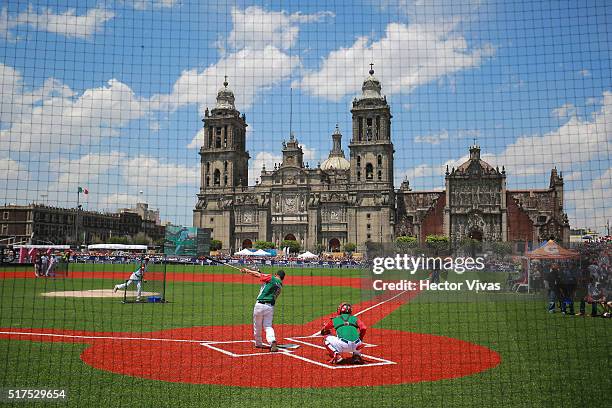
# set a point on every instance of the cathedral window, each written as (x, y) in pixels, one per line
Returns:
(369, 171)
(225, 166)
(358, 161)
(218, 138)
(225, 180)
(225, 137)
(217, 177)
(377, 127)
(369, 226)
(210, 137)
(379, 175)
(368, 216)
(358, 175)
(369, 129)
(207, 167)
(379, 160)
(360, 133)
(207, 181)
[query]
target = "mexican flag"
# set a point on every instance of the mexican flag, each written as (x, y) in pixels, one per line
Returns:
(83, 190)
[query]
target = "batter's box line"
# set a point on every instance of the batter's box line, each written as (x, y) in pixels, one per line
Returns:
(211, 345)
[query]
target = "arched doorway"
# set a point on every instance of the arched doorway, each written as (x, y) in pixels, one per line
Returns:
(476, 234)
(290, 237)
(247, 244)
(334, 245)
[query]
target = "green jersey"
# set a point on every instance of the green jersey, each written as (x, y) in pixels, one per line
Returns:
(270, 289)
(346, 326)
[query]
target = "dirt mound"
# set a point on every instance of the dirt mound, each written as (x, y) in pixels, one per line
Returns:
(96, 293)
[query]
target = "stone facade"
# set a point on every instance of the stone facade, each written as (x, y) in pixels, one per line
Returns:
(354, 201)
(476, 204)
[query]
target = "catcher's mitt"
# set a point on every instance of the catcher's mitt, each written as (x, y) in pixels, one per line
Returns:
(325, 332)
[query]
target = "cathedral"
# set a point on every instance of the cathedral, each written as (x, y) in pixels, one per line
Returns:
(354, 200)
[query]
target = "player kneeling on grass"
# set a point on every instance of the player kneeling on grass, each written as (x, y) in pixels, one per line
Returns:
(137, 277)
(263, 312)
(349, 335)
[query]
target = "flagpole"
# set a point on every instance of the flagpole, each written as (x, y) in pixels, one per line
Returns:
(76, 222)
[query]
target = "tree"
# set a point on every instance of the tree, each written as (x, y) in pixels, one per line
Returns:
(294, 246)
(350, 247)
(320, 248)
(264, 245)
(437, 242)
(142, 239)
(215, 245)
(501, 248)
(125, 240)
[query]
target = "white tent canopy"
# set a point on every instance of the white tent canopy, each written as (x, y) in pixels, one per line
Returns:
(42, 246)
(307, 255)
(117, 247)
(260, 252)
(243, 252)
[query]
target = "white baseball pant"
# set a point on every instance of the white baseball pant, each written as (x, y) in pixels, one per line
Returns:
(262, 317)
(338, 345)
(128, 283)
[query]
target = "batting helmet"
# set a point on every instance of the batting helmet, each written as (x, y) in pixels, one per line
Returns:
(345, 308)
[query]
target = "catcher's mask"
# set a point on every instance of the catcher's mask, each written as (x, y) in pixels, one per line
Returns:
(345, 308)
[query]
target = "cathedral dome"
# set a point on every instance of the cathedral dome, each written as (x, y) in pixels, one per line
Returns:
(225, 97)
(336, 163)
(371, 87)
(336, 160)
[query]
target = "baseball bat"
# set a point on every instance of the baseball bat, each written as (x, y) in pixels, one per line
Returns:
(221, 262)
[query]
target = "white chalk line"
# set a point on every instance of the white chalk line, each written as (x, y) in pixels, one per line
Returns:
(210, 343)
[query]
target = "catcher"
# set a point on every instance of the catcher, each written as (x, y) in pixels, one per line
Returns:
(349, 335)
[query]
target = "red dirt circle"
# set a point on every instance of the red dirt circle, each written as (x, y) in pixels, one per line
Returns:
(230, 358)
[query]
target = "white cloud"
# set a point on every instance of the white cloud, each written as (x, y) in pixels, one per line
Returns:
(584, 73)
(590, 207)
(11, 170)
(434, 139)
(249, 71)
(152, 4)
(154, 175)
(564, 110)
(576, 141)
(258, 60)
(67, 24)
(434, 11)
(54, 118)
(257, 28)
(406, 57)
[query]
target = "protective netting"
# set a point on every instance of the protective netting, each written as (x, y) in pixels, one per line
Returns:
(443, 167)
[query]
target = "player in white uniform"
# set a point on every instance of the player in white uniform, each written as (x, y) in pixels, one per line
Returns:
(137, 277)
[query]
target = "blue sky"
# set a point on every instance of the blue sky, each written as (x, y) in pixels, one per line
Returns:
(110, 95)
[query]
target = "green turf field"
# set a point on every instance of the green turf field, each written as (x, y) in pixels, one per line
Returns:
(547, 360)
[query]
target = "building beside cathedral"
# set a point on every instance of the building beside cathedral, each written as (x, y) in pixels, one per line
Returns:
(354, 200)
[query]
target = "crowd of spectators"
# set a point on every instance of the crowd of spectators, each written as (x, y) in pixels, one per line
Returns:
(587, 281)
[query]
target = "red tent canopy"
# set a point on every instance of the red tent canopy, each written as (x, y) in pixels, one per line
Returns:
(552, 250)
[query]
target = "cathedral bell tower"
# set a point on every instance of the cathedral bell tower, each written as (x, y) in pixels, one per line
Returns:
(371, 167)
(224, 159)
(371, 147)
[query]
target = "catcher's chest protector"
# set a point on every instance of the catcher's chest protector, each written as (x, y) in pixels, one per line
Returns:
(346, 327)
